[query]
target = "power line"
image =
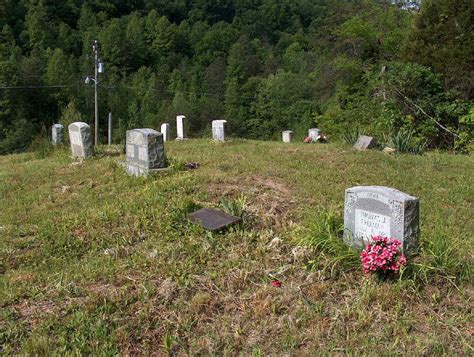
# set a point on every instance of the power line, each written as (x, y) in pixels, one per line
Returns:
(40, 86)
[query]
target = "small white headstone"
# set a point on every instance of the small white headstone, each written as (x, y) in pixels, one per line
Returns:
(145, 151)
(218, 130)
(381, 211)
(313, 133)
(165, 130)
(57, 134)
(81, 140)
(287, 136)
(181, 127)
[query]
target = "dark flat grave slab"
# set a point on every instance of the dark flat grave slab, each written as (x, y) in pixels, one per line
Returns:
(212, 219)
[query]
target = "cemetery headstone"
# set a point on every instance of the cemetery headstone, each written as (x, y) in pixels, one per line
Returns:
(57, 134)
(165, 130)
(287, 136)
(218, 130)
(212, 219)
(381, 211)
(365, 142)
(313, 133)
(145, 152)
(81, 140)
(181, 127)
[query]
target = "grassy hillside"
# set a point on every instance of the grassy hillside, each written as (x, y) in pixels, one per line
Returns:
(94, 261)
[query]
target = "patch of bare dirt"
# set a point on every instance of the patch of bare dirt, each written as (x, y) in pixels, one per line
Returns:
(33, 311)
(269, 200)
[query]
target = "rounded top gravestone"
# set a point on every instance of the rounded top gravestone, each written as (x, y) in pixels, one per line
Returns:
(81, 139)
(381, 211)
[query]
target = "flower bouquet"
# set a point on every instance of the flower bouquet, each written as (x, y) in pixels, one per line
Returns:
(383, 257)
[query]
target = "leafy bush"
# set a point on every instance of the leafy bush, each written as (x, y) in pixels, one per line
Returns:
(351, 136)
(404, 141)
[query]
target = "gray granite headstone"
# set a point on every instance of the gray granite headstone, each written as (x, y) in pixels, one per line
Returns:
(181, 127)
(57, 134)
(365, 142)
(313, 133)
(381, 211)
(287, 136)
(145, 152)
(165, 130)
(218, 130)
(81, 140)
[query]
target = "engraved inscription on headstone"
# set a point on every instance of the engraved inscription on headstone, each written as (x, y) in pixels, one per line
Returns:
(218, 130)
(81, 140)
(57, 134)
(365, 142)
(181, 127)
(381, 211)
(165, 130)
(287, 136)
(313, 133)
(145, 152)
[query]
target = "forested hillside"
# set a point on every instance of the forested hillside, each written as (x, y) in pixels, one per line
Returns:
(380, 67)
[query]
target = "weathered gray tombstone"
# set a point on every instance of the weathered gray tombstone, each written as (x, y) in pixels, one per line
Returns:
(181, 127)
(145, 152)
(81, 140)
(381, 211)
(287, 136)
(313, 133)
(57, 134)
(218, 130)
(365, 142)
(165, 130)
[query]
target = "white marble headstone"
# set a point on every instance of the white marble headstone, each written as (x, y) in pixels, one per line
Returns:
(218, 130)
(165, 130)
(181, 127)
(81, 140)
(381, 211)
(287, 136)
(313, 133)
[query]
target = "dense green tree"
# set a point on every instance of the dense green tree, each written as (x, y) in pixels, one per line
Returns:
(443, 38)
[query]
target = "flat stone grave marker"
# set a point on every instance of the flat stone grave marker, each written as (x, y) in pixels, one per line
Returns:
(287, 136)
(381, 211)
(365, 142)
(81, 140)
(212, 219)
(218, 130)
(145, 152)
(165, 130)
(57, 134)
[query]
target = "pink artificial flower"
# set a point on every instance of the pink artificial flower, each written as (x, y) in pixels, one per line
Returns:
(276, 283)
(382, 254)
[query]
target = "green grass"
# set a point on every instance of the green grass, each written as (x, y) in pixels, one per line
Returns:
(95, 262)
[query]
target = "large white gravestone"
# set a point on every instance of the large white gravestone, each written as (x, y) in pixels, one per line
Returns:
(313, 133)
(381, 211)
(165, 130)
(57, 134)
(218, 130)
(145, 152)
(181, 127)
(287, 136)
(81, 140)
